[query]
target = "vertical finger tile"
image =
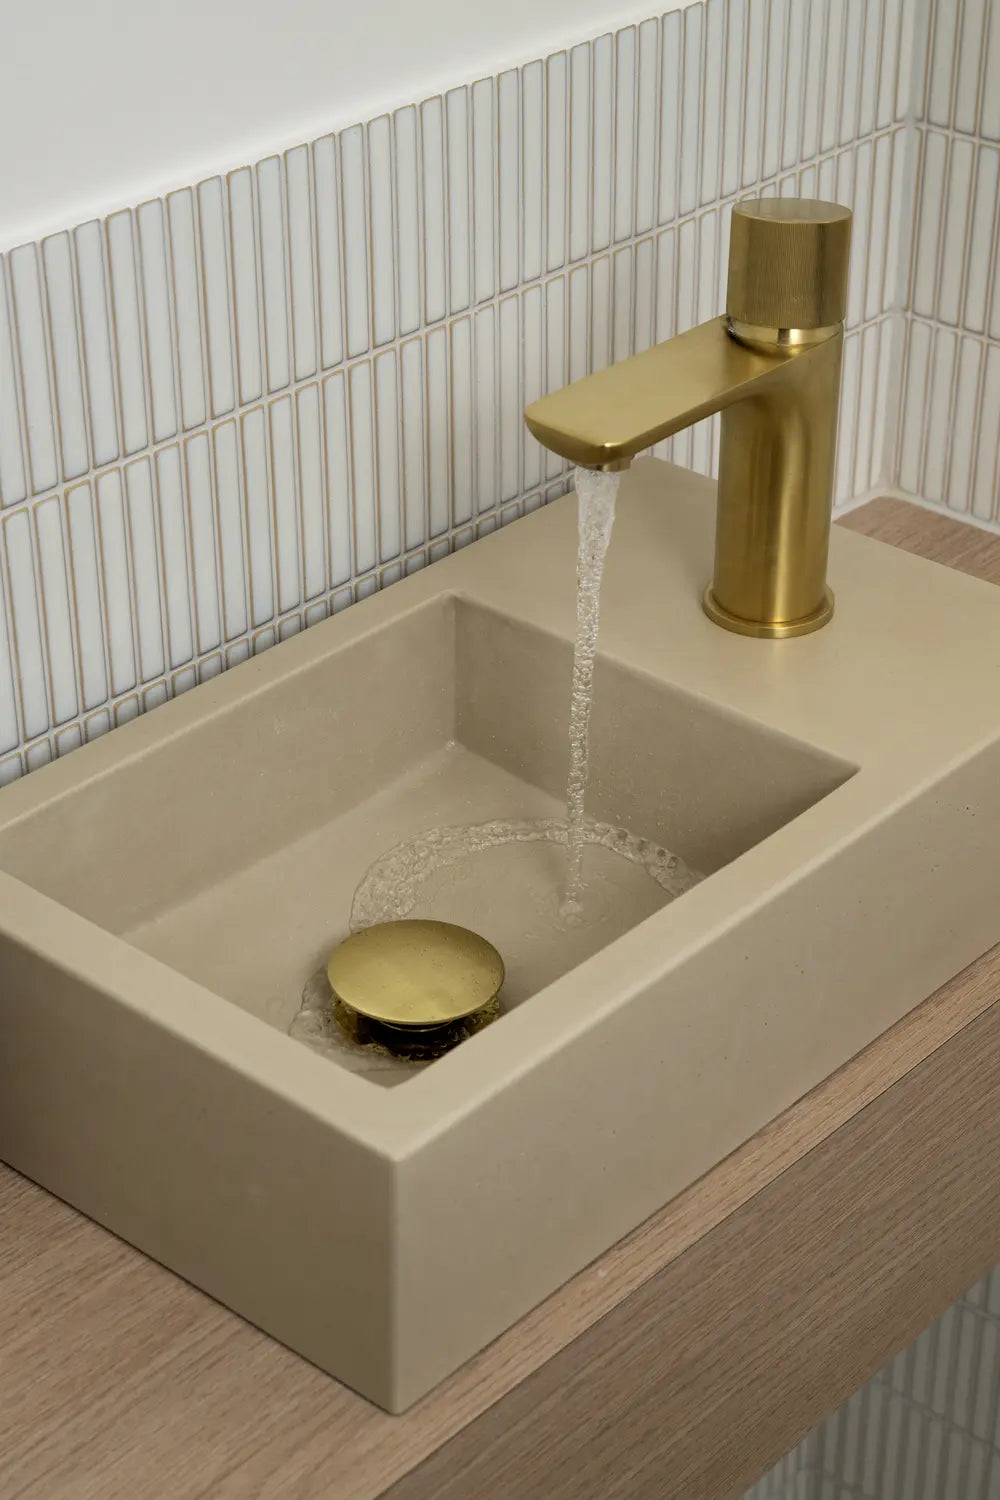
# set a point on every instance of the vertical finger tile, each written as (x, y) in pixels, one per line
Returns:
(708, 250)
(942, 62)
(579, 150)
(776, 87)
(833, 74)
(981, 243)
(899, 232)
(967, 380)
(557, 158)
(861, 202)
(954, 239)
(201, 515)
(928, 228)
(55, 601)
(115, 582)
(144, 552)
(364, 497)
(379, 142)
(691, 109)
(985, 475)
(326, 183)
(485, 415)
(459, 200)
(876, 225)
(602, 160)
(914, 407)
(284, 500)
(600, 313)
(412, 436)
(387, 452)
(438, 433)
(510, 398)
(29, 330)
(216, 286)
(177, 592)
(885, 425)
(850, 66)
(753, 99)
(302, 280)
(187, 310)
(712, 85)
(28, 645)
(579, 323)
(621, 305)
(274, 272)
(57, 259)
(407, 209)
(532, 336)
(509, 175)
(798, 34)
(847, 429)
(338, 477)
(666, 283)
(86, 591)
(462, 416)
(434, 207)
(687, 275)
(939, 415)
(626, 43)
(232, 545)
(257, 498)
(158, 324)
(866, 63)
(309, 441)
(891, 26)
(645, 295)
(989, 104)
(10, 733)
(646, 127)
(812, 88)
(556, 351)
(865, 431)
(484, 180)
(13, 471)
(246, 301)
(532, 170)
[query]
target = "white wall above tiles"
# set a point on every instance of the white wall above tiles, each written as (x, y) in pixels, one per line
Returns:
(265, 395)
(105, 103)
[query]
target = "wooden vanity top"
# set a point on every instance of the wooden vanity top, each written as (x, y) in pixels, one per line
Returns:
(683, 1363)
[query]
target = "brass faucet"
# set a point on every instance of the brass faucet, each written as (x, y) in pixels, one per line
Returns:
(771, 366)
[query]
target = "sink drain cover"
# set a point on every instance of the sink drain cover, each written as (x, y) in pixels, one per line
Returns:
(412, 982)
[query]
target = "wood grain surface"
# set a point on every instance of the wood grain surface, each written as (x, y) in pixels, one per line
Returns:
(683, 1363)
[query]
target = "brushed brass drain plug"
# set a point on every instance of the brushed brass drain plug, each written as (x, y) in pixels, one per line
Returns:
(415, 988)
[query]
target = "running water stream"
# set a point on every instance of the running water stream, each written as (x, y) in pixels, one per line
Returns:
(596, 494)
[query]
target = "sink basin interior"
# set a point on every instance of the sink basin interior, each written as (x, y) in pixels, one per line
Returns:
(231, 849)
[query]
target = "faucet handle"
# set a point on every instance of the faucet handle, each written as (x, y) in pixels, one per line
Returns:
(788, 263)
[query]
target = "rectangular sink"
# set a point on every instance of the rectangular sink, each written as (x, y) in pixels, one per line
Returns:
(167, 893)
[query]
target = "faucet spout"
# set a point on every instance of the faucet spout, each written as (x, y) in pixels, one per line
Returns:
(771, 366)
(605, 419)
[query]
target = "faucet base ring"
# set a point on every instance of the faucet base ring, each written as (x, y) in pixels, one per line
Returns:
(779, 630)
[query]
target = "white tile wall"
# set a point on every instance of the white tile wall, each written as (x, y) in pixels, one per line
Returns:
(229, 411)
(950, 420)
